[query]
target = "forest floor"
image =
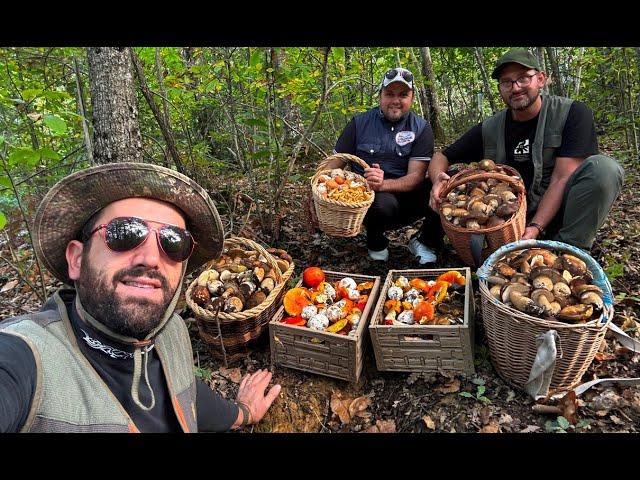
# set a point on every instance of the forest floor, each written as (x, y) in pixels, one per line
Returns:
(413, 402)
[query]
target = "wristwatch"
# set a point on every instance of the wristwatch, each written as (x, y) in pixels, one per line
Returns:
(538, 226)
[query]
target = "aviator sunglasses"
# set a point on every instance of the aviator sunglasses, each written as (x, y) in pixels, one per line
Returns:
(122, 234)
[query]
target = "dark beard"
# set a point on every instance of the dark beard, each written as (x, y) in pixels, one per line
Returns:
(133, 317)
(530, 100)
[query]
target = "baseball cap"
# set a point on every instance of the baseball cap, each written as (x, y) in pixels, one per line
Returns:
(516, 55)
(398, 74)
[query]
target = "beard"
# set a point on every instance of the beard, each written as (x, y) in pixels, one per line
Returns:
(522, 103)
(131, 317)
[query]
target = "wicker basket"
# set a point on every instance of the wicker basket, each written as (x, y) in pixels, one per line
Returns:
(335, 218)
(473, 246)
(324, 353)
(424, 348)
(512, 334)
(230, 336)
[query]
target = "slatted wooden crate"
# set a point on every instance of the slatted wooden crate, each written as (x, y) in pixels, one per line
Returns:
(423, 348)
(324, 353)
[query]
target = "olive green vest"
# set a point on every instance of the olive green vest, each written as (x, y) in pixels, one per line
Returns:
(70, 396)
(551, 119)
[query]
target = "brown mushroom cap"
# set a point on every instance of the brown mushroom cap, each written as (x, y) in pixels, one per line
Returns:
(507, 288)
(539, 294)
(575, 313)
(550, 273)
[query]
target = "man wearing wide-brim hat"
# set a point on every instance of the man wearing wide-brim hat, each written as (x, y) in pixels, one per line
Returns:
(551, 141)
(110, 355)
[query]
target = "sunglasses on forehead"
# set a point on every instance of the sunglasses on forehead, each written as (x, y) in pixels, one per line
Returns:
(396, 72)
(122, 234)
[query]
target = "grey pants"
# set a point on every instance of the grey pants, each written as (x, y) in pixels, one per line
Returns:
(588, 197)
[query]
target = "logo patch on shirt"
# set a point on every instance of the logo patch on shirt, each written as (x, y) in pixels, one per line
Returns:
(522, 147)
(402, 138)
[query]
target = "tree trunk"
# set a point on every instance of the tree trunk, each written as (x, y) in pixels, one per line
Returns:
(284, 106)
(431, 103)
(82, 111)
(485, 79)
(553, 61)
(540, 55)
(116, 129)
(578, 78)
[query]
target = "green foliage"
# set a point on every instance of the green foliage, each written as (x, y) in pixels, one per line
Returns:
(3, 220)
(479, 395)
(203, 373)
(559, 425)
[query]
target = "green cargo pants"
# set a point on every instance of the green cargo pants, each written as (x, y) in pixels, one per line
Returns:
(588, 197)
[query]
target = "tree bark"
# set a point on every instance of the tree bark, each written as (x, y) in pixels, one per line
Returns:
(553, 62)
(431, 94)
(578, 78)
(485, 79)
(540, 55)
(116, 128)
(82, 111)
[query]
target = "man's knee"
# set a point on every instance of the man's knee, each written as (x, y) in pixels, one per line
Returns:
(603, 174)
(385, 205)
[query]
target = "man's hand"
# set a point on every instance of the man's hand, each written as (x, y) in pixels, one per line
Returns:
(530, 233)
(438, 185)
(251, 393)
(374, 176)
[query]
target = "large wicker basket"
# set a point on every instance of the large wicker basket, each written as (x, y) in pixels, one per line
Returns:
(473, 246)
(230, 336)
(512, 334)
(336, 218)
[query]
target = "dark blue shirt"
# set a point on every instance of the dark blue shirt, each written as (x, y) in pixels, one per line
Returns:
(375, 139)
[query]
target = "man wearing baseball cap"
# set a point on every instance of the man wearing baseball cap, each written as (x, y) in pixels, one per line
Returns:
(110, 355)
(397, 145)
(551, 141)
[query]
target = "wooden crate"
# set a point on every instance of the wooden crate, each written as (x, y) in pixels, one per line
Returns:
(324, 353)
(424, 348)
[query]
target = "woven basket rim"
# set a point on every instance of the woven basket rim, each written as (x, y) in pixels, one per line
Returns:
(596, 323)
(255, 311)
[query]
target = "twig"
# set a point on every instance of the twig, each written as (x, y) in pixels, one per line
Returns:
(23, 278)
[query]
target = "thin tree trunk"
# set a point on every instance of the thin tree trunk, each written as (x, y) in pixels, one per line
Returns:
(485, 79)
(631, 109)
(83, 112)
(578, 78)
(284, 106)
(422, 94)
(553, 61)
(231, 112)
(161, 89)
(163, 122)
(116, 129)
(541, 62)
(431, 95)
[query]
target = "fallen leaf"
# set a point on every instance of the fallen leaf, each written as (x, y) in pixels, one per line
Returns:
(8, 286)
(371, 429)
(386, 426)
(602, 356)
(232, 374)
(340, 407)
(359, 405)
(530, 429)
(449, 387)
(485, 415)
(616, 420)
(569, 407)
(505, 419)
(429, 422)
(493, 427)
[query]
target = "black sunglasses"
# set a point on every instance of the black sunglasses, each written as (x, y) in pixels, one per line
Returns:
(122, 234)
(394, 72)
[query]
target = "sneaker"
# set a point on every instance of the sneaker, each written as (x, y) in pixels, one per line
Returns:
(420, 250)
(381, 255)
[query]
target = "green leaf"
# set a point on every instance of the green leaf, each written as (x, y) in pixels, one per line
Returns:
(23, 156)
(255, 122)
(481, 390)
(614, 271)
(57, 125)
(5, 182)
(466, 395)
(563, 422)
(584, 423)
(3, 220)
(256, 57)
(46, 152)
(550, 426)
(31, 93)
(484, 400)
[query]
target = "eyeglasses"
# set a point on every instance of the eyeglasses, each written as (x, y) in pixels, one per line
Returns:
(122, 234)
(394, 73)
(522, 81)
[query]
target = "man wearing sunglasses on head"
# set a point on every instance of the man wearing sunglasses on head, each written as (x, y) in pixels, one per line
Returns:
(552, 143)
(110, 355)
(397, 145)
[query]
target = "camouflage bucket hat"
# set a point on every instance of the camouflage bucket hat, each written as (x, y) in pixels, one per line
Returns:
(73, 200)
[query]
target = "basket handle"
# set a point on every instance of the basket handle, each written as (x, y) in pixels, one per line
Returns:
(345, 158)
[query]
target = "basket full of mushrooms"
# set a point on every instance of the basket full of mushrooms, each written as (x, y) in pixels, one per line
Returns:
(483, 207)
(530, 287)
(234, 296)
(341, 198)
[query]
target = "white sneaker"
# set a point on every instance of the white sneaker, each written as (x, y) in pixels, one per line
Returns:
(381, 255)
(420, 250)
